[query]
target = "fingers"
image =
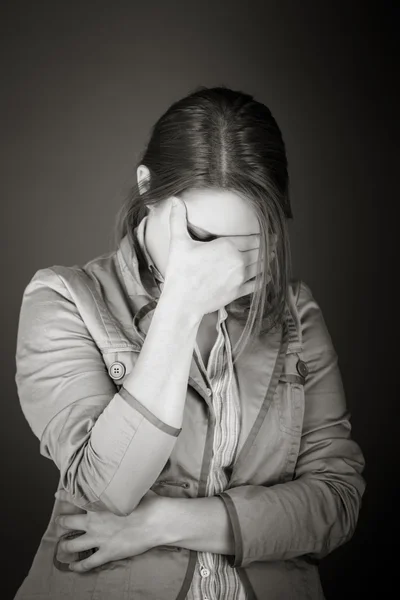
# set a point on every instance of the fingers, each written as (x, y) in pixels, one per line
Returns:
(247, 288)
(72, 521)
(178, 219)
(95, 560)
(245, 242)
(251, 256)
(251, 242)
(78, 544)
(252, 270)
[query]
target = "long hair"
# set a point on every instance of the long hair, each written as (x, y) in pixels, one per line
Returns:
(219, 138)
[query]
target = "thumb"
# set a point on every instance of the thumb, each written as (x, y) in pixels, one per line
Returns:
(177, 219)
(63, 495)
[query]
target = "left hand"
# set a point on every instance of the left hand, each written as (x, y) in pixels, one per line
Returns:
(115, 537)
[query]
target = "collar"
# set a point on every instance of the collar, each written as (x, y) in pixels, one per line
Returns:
(138, 270)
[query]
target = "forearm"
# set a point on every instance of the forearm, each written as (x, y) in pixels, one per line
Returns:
(155, 389)
(134, 435)
(200, 524)
(160, 376)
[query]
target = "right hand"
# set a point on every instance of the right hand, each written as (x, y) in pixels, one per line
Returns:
(209, 274)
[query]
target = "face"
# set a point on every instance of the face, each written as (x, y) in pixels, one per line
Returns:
(210, 214)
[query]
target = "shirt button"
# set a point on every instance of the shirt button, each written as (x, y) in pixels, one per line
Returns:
(205, 572)
(302, 368)
(116, 370)
(209, 391)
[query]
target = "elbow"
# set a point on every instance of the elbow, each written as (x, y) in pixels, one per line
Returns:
(348, 493)
(349, 499)
(84, 497)
(345, 503)
(120, 506)
(110, 489)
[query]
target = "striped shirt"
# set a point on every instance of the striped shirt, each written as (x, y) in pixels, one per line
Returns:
(214, 578)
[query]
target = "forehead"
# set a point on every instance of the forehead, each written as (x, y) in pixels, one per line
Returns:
(222, 212)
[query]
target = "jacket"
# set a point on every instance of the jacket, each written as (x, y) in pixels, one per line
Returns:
(295, 488)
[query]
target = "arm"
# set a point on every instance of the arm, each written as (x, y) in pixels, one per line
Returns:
(109, 447)
(201, 524)
(314, 513)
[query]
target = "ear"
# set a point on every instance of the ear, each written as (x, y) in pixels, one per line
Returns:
(143, 178)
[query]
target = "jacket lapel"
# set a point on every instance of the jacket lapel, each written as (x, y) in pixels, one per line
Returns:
(256, 371)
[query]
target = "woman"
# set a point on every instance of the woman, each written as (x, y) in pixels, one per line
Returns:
(187, 387)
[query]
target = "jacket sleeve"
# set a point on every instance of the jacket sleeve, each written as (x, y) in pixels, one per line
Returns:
(108, 447)
(318, 510)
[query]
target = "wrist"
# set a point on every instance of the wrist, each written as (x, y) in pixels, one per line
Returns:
(163, 526)
(176, 302)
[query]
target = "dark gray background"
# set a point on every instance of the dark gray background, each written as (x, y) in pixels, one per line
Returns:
(82, 85)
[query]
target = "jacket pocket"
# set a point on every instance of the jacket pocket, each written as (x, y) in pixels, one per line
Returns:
(289, 402)
(164, 482)
(168, 548)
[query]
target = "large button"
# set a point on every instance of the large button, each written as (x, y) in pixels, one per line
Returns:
(116, 370)
(302, 368)
(205, 572)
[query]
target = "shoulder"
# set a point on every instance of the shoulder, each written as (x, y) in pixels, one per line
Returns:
(302, 297)
(315, 335)
(58, 292)
(44, 285)
(67, 281)
(80, 300)
(299, 292)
